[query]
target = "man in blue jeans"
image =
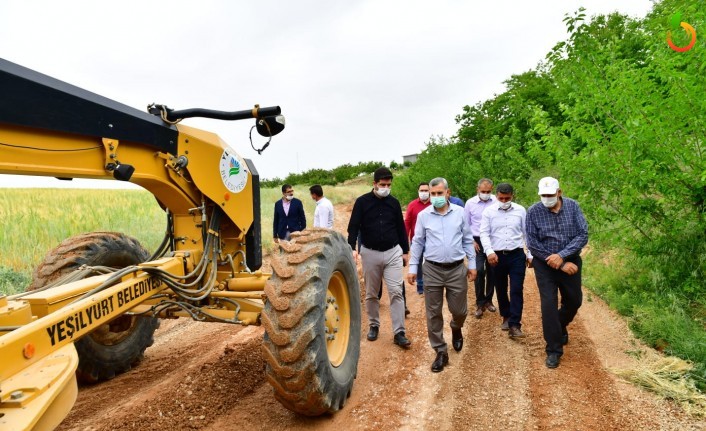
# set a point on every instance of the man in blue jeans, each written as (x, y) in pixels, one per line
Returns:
(502, 232)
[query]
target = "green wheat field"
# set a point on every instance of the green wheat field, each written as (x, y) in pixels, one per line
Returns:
(36, 220)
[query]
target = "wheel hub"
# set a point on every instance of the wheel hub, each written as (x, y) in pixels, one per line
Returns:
(337, 319)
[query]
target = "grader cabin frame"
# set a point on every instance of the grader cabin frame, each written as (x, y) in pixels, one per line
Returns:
(95, 300)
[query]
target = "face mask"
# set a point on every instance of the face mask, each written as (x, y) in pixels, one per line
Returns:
(383, 191)
(289, 197)
(484, 196)
(505, 205)
(423, 196)
(438, 201)
(549, 202)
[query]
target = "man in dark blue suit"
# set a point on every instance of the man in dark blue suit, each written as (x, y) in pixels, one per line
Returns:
(289, 215)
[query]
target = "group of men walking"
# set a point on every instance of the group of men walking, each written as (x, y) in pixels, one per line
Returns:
(490, 241)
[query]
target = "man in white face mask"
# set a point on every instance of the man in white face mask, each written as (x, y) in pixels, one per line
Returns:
(376, 221)
(556, 232)
(502, 233)
(288, 215)
(410, 220)
(473, 212)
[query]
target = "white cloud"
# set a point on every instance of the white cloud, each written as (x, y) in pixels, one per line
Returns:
(357, 81)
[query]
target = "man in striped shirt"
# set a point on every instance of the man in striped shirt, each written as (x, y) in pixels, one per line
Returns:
(556, 233)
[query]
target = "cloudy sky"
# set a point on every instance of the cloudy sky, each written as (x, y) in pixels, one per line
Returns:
(356, 80)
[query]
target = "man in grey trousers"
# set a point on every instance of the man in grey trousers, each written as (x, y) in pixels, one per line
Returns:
(445, 239)
(377, 217)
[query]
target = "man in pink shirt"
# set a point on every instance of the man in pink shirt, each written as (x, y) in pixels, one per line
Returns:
(410, 220)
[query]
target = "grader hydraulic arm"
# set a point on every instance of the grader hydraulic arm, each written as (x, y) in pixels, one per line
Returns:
(94, 301)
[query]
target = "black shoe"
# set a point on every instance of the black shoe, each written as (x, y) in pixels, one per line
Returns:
(373, 334)
(442, 359)
(552, 360)
(564, 336)
(406, 311)
(401, 340)
(456, 339)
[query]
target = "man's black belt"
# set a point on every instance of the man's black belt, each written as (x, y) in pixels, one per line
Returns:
(445, 264)
(380, 248)
(516, 250)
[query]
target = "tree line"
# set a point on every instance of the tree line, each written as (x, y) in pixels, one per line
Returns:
(620, 118)
(330, 177)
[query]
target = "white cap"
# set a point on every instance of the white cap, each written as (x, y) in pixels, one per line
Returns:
(548, 186)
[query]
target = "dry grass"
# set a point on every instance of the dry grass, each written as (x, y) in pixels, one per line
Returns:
(667, 377)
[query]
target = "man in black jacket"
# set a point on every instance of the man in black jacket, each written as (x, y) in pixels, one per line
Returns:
(377, 217)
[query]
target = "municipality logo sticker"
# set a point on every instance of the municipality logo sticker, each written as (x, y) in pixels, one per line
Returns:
(234, 171)
(234, 166)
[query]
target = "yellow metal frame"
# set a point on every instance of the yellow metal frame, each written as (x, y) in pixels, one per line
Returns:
(37, 357)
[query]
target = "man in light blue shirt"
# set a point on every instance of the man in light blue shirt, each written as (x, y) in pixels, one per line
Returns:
(502, 232)
(443, 236)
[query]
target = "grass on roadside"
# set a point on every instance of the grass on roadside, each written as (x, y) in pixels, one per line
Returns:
(663, 321)
(37, 220)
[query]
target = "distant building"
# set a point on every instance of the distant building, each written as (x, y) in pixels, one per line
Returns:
(411, 158)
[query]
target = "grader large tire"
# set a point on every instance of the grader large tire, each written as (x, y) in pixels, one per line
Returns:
(114, 347)
(312, 322)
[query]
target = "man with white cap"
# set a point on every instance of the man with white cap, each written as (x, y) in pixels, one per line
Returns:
(556, 232)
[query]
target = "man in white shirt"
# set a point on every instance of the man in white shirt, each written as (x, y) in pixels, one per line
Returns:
(323, 214)
(485, 281)
(503, 235)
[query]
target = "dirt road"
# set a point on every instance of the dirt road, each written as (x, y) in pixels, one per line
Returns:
(210, 377)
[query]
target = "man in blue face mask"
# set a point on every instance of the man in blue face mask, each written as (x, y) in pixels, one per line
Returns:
(444, 238)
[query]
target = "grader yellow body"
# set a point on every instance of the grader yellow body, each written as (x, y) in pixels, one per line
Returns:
(95, 300)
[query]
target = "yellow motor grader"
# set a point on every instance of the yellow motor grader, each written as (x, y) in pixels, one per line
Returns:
(94, 302)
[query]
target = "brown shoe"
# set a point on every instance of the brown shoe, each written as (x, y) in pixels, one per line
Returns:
(516, 332)
(490, 307)
(479, 312)
(506, 324)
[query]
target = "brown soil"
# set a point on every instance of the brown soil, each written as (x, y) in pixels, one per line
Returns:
(210, 377)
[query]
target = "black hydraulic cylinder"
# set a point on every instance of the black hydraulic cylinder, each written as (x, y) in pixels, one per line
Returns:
(222, 115)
